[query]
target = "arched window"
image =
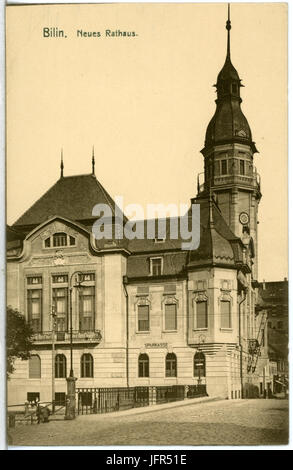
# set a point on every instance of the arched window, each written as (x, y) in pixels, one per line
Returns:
(60, 366)
(171, 365)
(143, 365)
(199, 365)
(86, 365)
(35, 367)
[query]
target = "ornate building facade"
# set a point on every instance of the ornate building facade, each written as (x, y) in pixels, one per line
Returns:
(145, 312)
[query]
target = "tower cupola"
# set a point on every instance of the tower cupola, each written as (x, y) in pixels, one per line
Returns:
(228, 123)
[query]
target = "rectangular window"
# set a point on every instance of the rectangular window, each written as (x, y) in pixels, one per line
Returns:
(156, 266)
(224, 168)
(201, 319)
(34, 280)
(60, 302)
(143, 318)
(59, 239)
(86, 277)
(60, 399)
(170, 317)
(225, 314)
(242, 167)
(34, 308)
(33, 397)
(86, 308)
(60, 278)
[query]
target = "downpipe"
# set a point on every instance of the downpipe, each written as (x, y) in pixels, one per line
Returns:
(240, 342)
(127, 329)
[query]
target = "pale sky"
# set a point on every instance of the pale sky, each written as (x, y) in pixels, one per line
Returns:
(144, 102)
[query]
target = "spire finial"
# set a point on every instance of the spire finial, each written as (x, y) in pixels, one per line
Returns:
(228, 27)
(61, 164)
(93, 161)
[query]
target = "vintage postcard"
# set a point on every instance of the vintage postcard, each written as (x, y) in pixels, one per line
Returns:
(147, 244)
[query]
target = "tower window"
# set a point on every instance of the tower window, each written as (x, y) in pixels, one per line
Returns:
(201, 314)
(225, 313)
(224, 167)
(242, 167)
(234, 88)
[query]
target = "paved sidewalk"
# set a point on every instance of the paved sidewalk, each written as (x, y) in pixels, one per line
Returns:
(244, 422)
(152, 408)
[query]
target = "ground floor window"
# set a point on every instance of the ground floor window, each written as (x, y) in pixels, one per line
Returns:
(171, 365)
(60, 398)
(143, 365)
(33, 397)
(199, 365)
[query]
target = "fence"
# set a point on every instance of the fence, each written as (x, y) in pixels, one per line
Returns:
(105, 400)
(167, 394)
(32, 413)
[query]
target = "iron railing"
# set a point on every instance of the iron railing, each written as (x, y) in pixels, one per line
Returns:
(105, 400)
(167, 394)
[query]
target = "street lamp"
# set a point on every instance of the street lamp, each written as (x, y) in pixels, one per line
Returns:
(70, 402)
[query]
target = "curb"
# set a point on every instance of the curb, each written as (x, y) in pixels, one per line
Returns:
(153, 408)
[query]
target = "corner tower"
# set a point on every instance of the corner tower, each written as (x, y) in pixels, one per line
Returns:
(229, 171)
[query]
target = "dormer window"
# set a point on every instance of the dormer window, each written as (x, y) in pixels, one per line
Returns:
(59, 239)
(156, 266)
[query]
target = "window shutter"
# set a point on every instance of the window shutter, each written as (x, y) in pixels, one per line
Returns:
(34, 367)
(170, 317)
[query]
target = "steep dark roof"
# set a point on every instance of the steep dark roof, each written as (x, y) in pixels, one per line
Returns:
(72, 197)
(228, 124)
(218, 246)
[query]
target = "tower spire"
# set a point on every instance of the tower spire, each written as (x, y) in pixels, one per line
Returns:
(228, 27)
(61, 164)
(93, 161)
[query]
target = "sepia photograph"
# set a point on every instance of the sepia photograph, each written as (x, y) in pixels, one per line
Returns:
(146, 226)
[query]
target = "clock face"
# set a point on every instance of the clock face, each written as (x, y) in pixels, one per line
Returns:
(244, 218)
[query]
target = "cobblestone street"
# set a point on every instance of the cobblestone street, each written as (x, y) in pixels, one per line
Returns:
(237, 422)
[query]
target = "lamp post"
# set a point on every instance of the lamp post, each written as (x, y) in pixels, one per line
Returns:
(70, 401)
